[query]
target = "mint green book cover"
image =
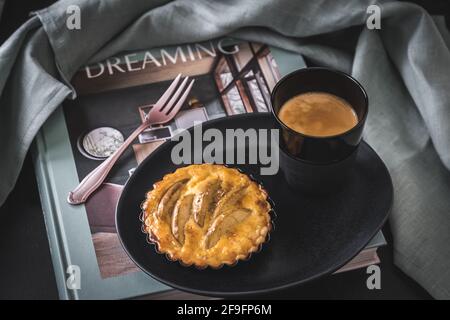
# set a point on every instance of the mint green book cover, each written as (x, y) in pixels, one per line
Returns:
(113, 99)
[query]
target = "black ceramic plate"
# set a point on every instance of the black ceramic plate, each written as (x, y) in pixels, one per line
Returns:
(312, 236)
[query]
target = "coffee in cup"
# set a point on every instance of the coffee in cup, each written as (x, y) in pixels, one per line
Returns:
(321, 114)
(318, 114)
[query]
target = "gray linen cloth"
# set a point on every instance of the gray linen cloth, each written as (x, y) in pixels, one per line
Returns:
(405, 67)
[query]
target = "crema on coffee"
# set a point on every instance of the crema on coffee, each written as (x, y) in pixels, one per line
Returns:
(318, 114)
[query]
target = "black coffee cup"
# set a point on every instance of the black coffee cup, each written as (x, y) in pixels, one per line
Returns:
(319, 164)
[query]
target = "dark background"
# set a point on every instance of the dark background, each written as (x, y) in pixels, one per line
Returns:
(26, 270)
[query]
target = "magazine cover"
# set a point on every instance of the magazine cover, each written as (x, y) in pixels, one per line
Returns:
(115, 95)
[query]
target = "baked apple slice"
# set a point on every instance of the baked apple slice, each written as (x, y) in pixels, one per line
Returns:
(181, 215)
(223, 224)
(205, 199)
(230, 200)
(168, 201)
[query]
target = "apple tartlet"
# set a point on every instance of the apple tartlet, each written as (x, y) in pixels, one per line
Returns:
(207, 215)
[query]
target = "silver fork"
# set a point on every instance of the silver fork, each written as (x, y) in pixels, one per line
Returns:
(163, 111)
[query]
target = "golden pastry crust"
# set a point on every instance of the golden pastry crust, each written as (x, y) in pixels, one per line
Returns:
(207, 215)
